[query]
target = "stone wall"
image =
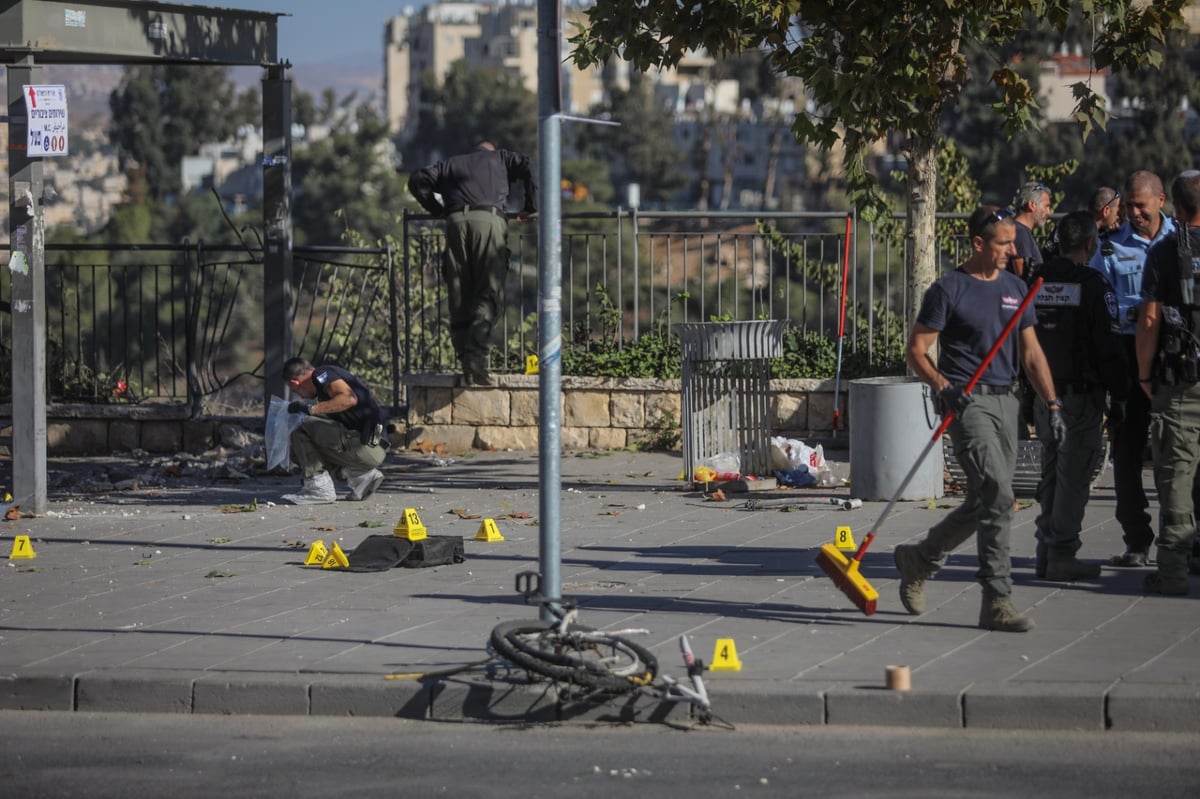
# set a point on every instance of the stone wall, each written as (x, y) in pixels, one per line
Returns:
(597, 412)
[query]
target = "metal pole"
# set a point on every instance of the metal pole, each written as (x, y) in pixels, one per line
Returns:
(279, 294)
(27, 265)
(550, 300)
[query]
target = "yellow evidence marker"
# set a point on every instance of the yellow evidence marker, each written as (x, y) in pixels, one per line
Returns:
(488, 531)
(22, 549)
(316, 554)
(725, 657)
(336, 559)
(531, 364)
(843, 539)
(410, 526)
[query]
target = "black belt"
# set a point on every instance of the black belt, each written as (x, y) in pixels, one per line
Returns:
(491, 209)
(981, 388)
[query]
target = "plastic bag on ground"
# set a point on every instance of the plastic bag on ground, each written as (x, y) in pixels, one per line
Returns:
(278, 432)
(789, 453)
(724, 466)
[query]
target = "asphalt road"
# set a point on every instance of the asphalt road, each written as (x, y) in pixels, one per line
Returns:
(48, 754)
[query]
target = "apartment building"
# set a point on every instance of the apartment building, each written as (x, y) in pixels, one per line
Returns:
(496, 34)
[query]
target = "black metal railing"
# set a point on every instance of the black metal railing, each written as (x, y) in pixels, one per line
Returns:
(183, 324)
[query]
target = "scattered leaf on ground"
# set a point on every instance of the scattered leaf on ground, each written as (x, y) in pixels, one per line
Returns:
(611, 513)
(326, 529)
(371, 523)
(520, 515)
(463, 513)
(30, 569)
(218, 573)
(423, 446)
(533, 523)
(505, 505)
(297, 544)
(218, 540)
(141, 563)
(250, 508)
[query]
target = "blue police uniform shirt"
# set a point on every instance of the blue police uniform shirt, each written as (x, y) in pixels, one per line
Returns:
(1124, 266)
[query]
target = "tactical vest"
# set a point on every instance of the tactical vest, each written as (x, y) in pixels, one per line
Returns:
(1178, 358)
(1060, 325)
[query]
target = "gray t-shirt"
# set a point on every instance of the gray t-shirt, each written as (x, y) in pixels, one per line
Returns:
(969, 315)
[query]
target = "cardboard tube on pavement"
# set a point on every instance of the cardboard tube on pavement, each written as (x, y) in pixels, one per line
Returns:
(899, 678)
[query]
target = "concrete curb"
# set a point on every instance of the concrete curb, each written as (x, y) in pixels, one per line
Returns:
(1010, 705)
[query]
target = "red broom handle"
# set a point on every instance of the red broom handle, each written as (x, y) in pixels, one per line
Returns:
(949, 417)
(845, 276)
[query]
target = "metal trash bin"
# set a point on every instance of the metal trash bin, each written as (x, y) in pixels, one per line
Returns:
(891, 421)
(726, 390)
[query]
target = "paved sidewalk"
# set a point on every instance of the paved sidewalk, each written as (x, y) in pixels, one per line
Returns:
(157, 600)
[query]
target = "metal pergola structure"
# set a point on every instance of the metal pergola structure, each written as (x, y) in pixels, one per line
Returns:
(34, 33)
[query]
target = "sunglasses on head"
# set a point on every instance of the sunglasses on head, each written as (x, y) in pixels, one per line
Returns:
(1116, 199)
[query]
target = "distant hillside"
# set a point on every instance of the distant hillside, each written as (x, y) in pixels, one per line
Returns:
(88, 87)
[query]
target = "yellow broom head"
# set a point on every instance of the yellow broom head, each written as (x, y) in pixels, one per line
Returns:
(846, 576)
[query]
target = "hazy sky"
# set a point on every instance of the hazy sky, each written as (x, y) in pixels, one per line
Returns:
(323, 31)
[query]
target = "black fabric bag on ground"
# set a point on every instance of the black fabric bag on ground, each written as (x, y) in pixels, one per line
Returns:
(379, 553)
(435, 550)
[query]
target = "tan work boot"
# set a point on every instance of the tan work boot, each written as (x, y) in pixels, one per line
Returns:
(997, 613)
(1171, 579)
(914, 571)
(1066, 568)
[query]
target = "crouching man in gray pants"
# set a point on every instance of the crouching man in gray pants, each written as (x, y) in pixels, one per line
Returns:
(342, 432)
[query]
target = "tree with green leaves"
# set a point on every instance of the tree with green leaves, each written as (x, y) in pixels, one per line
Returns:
(877, 68)
(347, 181)
(160, 113)
(468, 105)
(641, 148)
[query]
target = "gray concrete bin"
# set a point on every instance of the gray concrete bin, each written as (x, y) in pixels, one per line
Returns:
(726, 391)
(891, 421)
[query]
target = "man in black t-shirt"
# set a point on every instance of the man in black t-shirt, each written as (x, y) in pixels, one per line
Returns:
(964, 314)
(341, 432)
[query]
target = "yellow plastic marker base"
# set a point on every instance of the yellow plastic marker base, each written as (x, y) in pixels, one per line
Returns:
(410, 526)
(843, 539)
(22, 549)
(488, 531)
(531, 364)
(316, 554)
(725, 657)
(336, 559)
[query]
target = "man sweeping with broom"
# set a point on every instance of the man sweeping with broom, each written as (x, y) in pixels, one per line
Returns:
(965, 312)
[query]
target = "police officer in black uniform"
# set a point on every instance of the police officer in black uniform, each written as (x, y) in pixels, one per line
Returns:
(1078, 328)
(1168, 355)
(474, 199)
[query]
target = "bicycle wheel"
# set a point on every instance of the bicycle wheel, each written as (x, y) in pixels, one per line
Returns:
(580, 656)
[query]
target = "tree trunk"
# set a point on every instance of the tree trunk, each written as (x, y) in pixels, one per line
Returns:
(921, 221)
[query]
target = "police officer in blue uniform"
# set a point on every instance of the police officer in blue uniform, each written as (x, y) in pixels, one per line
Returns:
(1121, 261)
(1080, 334)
